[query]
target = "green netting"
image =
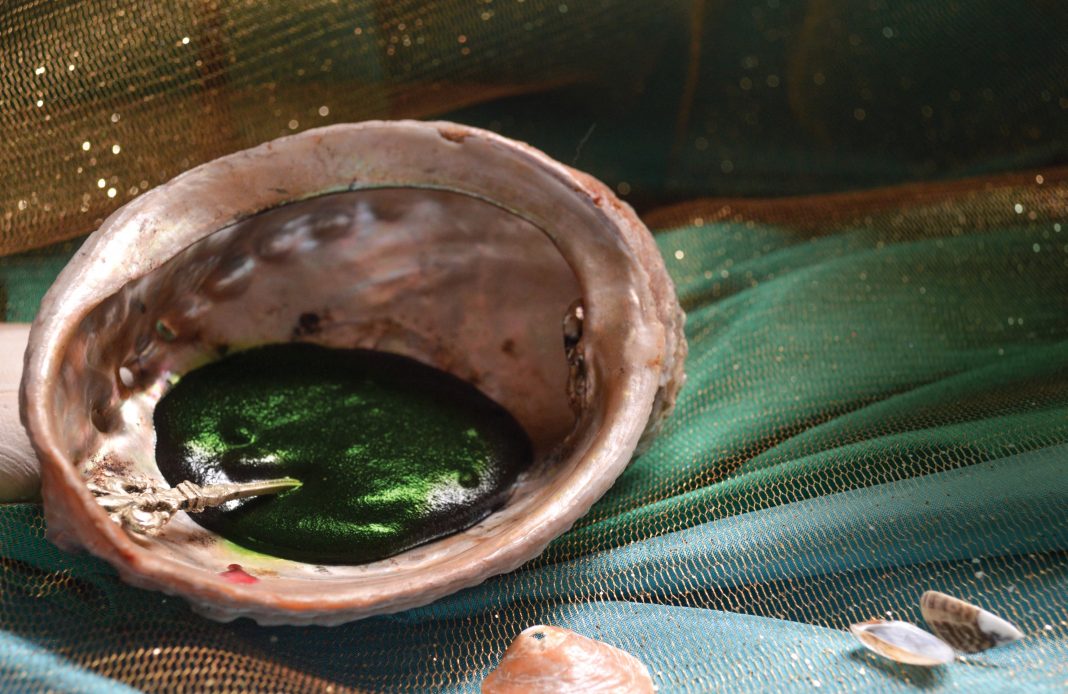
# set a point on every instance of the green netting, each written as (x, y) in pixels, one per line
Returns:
(877, 401)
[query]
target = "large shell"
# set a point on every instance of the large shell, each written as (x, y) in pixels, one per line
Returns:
(963, 625)
(551, 660)
(452, 245)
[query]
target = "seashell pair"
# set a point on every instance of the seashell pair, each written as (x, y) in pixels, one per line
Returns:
(448, 244)
(958, 624)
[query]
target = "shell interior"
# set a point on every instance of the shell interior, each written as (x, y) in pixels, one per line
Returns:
(446, 278)
(903, 642)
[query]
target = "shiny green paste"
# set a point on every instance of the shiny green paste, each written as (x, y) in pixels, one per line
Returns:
(390, 453)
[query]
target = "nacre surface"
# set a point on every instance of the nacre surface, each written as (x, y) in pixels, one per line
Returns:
(903, 642)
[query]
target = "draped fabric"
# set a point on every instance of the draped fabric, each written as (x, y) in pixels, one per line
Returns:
(864, 207)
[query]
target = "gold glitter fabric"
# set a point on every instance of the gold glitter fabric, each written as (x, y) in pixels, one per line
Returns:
(668, 100)
(864, 207)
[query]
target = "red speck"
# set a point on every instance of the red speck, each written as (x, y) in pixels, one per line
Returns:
(235, 574)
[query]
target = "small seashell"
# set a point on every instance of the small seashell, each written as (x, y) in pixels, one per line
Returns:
(963, 625)
(550, 659)
(903, 642)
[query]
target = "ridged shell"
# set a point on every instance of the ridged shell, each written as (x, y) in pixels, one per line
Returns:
(964, 626)
(551, 660)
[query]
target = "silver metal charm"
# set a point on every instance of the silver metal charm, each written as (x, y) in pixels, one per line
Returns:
(144, 506)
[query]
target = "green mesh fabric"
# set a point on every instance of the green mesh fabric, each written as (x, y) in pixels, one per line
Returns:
(877, 401)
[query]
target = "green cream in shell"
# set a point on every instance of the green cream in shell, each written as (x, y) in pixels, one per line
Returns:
(391, 453)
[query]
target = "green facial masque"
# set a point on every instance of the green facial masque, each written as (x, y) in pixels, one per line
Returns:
(390, 453)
